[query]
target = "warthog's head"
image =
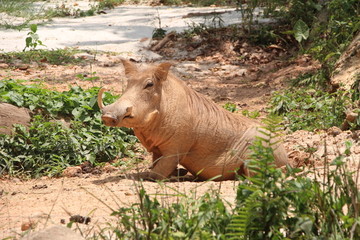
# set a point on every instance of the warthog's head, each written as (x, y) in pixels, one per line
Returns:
(140, 102)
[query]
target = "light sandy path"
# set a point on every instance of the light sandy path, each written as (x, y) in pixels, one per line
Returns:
(120, 30)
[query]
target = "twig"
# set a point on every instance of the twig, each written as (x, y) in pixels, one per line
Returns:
(170, 36)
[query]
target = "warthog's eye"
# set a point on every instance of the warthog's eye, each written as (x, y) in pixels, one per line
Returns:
(149, 85)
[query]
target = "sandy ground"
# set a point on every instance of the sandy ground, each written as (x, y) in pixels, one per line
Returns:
(45, 202)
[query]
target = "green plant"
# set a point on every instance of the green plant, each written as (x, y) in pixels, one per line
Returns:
(317, 80)
(189, 218)
(14, 7)
(55, 57)
(247, 13)
(331, 36)
(90, 78)
(276, 205)
(109, 4)
(32, 41)
(49, 146)
(231, 107)
(310, 109)
(251, 114)
(301, 31)
(195, 30)
(158, 32)
(356, 88)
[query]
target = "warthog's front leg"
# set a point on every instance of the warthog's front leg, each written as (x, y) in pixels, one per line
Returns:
(163, 168)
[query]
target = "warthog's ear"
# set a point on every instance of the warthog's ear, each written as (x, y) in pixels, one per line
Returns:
(130, 67)
(162, 71)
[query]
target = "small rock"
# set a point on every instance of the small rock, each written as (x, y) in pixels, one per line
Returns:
(72, 171)
(107, 64)
(27, 225)
(334, 131)
(356, 135)
(80, 219)
(54, 233)
(23, 67)
(245, 44)
(84, 56)
(4, 65)
(39, 186)
(351, 116)
(109, 168)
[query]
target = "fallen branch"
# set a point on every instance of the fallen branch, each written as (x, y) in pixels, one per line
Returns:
(170, 36)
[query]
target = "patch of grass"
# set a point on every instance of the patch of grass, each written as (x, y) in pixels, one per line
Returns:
(18, 8)
(109, 4)
(55, 57)
(25, 12)
(49, 146)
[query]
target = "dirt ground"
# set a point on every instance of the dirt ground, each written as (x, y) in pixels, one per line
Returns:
(217, 72)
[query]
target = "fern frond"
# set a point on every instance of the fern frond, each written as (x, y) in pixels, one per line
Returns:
(239, 223)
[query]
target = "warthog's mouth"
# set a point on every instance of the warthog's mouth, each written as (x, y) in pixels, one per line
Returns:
(108, 117)
(110, 121)
(128, 117)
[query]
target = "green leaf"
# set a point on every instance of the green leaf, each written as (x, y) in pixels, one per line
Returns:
(16, 98)
(28, 41)
(33, 27)
(77, 112)
(301, 31)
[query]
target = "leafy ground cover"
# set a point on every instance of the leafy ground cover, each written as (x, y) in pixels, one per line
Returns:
(310, 109)
(49, 146)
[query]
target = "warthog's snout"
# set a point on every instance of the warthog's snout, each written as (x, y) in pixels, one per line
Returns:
(109, 120)
(114, 114)
(112, 120)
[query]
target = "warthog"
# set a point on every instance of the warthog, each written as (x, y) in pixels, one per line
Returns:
(180, 126)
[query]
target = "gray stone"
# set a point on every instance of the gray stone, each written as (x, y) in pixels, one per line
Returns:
(54, 233)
